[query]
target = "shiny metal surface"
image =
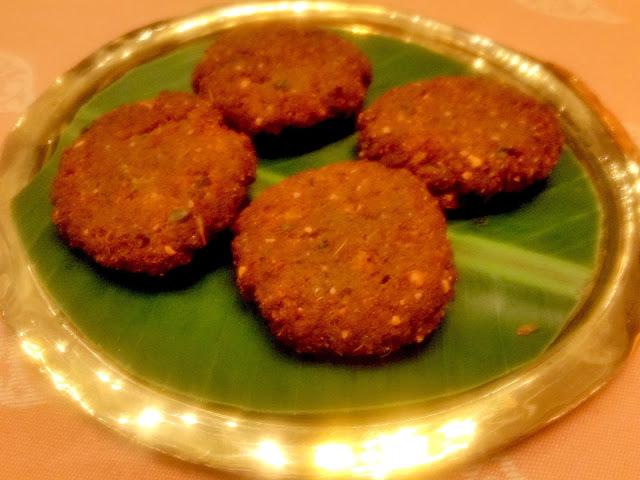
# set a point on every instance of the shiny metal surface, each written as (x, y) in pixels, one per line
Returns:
(425, 438)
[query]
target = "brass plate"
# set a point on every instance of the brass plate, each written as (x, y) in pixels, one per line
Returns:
(427, 437)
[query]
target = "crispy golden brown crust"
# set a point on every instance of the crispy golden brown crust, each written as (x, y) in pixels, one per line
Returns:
(270, 76)
(351, 259)
(149, 183)
(463, 136)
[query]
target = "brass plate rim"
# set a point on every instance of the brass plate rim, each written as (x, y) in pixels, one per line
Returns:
(465, 425)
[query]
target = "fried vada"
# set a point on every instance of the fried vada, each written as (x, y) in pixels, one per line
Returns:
(465, 137)
(150, 183)
(350, 260)
(270, 76)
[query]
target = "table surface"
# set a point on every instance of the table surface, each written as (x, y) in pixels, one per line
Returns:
(43, 435)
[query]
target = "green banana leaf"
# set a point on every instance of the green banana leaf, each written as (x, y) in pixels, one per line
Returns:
(522, 260)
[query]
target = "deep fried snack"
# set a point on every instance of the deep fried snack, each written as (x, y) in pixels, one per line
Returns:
(150, 183)
(269, 76)
(464, 136)
(351, 259)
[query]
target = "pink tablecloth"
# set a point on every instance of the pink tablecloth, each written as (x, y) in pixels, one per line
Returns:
(44, 436)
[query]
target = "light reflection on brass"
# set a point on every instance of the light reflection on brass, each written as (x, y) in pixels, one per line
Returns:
(360, 30)
(188, 419)
(32, 350)
(404, 449)
(149, 417)
(334, 456)
(458, 428)
(59, 381)
(145, 35)
(401, 450)
(300, 7)
(105, 377)
(479, 63)
(270, 452)
(185, 27)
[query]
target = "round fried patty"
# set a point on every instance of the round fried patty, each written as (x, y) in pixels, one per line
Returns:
(265, 77)
(151, 182)
(464, 136)
(350, 259)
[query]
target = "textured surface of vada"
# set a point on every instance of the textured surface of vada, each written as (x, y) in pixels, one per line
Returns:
(351, 259)
(266, 77)
(464, 136)
(150, 183)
